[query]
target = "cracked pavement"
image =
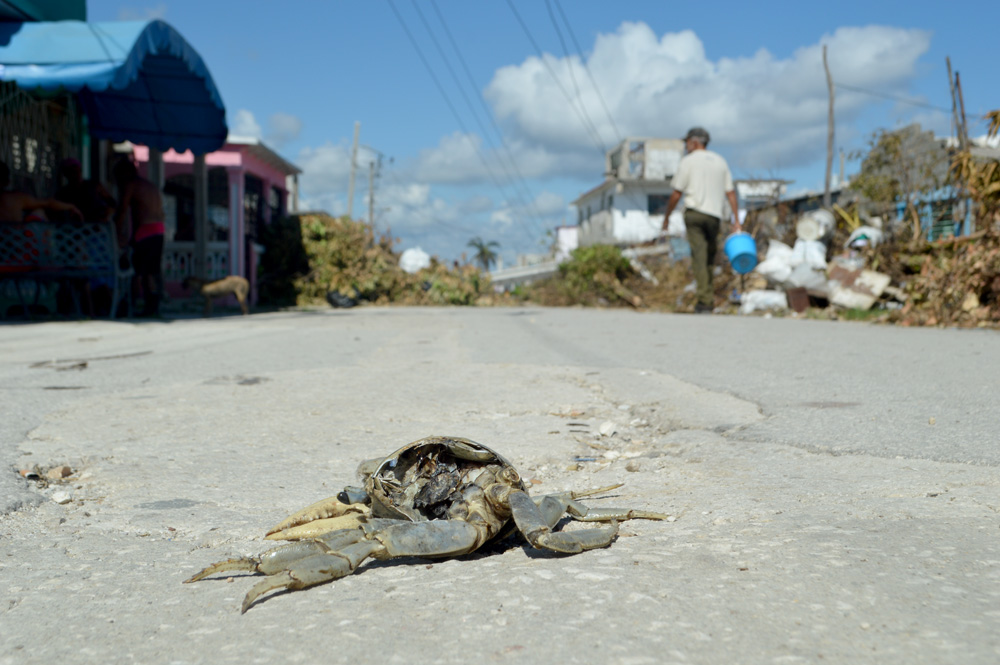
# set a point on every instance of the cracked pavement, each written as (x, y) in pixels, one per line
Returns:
(833, 487)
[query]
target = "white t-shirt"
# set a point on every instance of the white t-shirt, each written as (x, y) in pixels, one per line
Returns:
(704, 178)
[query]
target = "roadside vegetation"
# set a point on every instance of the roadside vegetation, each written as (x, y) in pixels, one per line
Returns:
(313, 256)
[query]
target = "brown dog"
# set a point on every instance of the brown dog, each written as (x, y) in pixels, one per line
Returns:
(234, 284)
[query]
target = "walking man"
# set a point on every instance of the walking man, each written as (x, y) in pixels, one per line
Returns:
(703, 178)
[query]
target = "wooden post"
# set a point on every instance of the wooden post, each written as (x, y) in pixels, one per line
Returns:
(371, 196)
(200, 217)
(354, 166)
(155, 171)
(827, 199)
(237, 235)
(954, 105)
(293, 192)
(963, 127)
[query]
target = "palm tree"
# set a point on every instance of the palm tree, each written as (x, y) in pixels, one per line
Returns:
(485, 254)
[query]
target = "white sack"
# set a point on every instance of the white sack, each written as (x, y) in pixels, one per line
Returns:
(414, 260)
(762, 301)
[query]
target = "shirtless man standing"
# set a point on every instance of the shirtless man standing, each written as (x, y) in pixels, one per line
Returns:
(14, 205)
(142, 198)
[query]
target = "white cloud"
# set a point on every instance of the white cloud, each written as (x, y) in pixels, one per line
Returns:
(282, 128)
(549, 203)
(763, 110)
(245, 125)
(142, 13)
(325, 168)
(465, 159)
(475, 205)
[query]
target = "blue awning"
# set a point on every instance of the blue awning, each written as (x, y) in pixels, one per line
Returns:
(137, 81)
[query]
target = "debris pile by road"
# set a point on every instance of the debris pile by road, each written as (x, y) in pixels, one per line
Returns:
(956, 283)
(342, 262)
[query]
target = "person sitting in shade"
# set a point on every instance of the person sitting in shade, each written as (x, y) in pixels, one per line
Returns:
(90, 196)
(17, 206)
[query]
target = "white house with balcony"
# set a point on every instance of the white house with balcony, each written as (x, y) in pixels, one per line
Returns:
(627, 208)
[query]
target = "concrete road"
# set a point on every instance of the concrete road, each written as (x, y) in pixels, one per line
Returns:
(833, 488)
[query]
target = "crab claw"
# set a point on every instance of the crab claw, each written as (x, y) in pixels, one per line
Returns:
(536, 527)
(331, 507)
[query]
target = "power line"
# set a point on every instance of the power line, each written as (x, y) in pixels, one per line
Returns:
(586, 68)
(488, 112)
(569, 63)
(449, 103)
(528, 207)
(632, 195)
(897, 98)
(581, 113)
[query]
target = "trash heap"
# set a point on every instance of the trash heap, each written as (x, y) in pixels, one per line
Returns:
(345, 264)
(954, 283)
(802, 275)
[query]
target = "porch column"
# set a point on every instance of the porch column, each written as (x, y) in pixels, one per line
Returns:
(266, 201)
(155, 168)
(292, 185)
(237, 232)
(200, 217)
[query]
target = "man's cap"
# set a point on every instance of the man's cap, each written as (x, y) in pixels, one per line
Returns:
(699, 133)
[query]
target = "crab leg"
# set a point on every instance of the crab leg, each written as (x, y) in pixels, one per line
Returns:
(554, 506)
(269, 562)
(314, 570)
(534, 523)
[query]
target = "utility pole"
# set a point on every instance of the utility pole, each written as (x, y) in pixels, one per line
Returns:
(827, 200)
(354, 166)
(371, 196)
(954, 106)
(963, 127)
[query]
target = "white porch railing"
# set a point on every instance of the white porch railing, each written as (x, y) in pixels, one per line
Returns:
(179, 262)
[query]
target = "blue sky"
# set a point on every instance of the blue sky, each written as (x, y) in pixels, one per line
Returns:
(515, 136)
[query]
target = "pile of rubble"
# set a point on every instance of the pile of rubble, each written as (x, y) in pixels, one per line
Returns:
(345, 264)
(953, 282)
(799, 276)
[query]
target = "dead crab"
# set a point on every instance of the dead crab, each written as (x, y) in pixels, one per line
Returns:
(437, 497)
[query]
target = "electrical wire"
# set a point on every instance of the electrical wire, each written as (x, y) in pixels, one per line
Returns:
(896, 98)
(449, 103)
(569, 62)
(631, 195)
(586, 68)
(528, 207)
(581, 113)
(488, 112)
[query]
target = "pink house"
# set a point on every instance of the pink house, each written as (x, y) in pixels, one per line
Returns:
(248, 186)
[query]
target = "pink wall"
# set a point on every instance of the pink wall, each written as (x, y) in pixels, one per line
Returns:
(230, 155)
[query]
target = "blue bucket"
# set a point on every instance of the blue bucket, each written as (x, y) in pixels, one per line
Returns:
(741, 250)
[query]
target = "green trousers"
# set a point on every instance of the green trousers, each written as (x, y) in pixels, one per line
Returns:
(702, 234)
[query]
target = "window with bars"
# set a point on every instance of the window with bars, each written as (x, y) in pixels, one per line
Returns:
(35, 135)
